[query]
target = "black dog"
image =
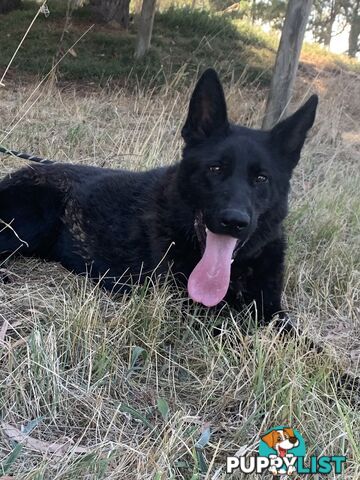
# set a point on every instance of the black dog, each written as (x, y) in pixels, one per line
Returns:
(216, 216)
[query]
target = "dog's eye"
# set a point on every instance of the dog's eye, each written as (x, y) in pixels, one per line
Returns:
(215, 168)
(261, 179)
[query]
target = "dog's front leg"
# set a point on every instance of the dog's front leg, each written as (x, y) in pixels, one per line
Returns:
(260, 282)
(265, 295)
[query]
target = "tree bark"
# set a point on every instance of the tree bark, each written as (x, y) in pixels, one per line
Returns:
(8, 5)
(112, 10)
(287, 61)
(145, 27)
(354, 30)
(253, 12)
(329, 24)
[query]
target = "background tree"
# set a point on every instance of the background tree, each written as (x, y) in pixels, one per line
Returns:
(239, 9)
(353, 16)
(220, 5)
(270, 11)
(8, 5)
(323, 16)
(145, 27)
(287, 60)
(111, 10)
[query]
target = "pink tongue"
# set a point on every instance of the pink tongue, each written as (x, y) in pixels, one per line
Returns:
(209, 281)
(282, 452)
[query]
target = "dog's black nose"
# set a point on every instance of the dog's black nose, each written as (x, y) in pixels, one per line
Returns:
(233, 219)
(293, 440)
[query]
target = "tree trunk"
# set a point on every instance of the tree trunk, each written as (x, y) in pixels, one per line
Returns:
(327, 35)
(145, 28)
(253, 11)
(287, 60)
(354, 30)
(8, 5)
(334, 10)
(112, 11)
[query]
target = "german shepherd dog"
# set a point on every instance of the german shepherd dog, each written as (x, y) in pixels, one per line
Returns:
(215, 218)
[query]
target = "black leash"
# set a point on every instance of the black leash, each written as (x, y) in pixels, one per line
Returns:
(26, 156)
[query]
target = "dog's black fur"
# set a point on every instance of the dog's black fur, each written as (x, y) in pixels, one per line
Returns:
(117, 224)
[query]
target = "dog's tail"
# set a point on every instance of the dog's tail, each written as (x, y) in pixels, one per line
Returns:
(25, 156)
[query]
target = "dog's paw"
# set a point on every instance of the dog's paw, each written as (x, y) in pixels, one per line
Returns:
(273, 470)
(288, 328)
(291, 470)
(285, 324)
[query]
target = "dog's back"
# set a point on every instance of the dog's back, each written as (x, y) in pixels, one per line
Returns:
(83, 216)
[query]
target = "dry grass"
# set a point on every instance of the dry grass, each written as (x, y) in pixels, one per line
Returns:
(136, 379)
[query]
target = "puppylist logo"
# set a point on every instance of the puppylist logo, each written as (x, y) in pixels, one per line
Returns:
(282, 452)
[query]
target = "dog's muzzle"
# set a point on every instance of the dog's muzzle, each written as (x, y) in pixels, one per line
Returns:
(201, 229)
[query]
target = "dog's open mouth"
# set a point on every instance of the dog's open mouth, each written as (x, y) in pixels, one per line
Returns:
(282, 452)
(210, 279)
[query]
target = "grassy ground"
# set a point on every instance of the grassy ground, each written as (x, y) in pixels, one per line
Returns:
(183, 39)
(137, 380)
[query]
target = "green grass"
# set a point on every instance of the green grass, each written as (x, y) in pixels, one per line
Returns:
(184, 40)
(137, 379)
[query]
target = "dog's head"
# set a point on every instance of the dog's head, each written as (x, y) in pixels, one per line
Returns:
(233, 174)
(281, 440)
(236, 178)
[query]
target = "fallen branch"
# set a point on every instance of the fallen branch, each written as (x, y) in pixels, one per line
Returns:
(56, 448)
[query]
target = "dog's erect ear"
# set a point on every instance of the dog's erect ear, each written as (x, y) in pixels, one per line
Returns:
(207, 111)
(270, 438)
(289, 135)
